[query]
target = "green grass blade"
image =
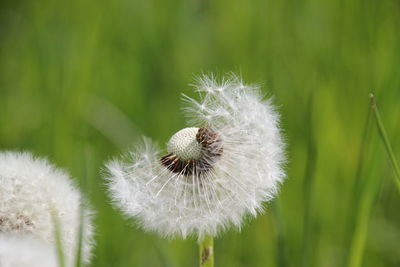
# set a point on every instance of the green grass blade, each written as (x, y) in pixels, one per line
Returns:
(368, 195)
(357, 191)
(58, 237)
(78, 259)
(362, 221)
(362, 197)
(385, 139)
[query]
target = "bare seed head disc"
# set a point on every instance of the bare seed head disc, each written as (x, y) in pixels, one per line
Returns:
(192, 151)
(184, 145)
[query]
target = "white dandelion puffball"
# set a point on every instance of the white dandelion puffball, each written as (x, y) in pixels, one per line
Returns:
(26, 251)
(212, 175)
(31, 190)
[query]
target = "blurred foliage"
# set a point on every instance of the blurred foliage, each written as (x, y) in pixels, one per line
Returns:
(82, 80)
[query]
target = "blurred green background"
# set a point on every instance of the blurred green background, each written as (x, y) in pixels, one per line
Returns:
(82, 80)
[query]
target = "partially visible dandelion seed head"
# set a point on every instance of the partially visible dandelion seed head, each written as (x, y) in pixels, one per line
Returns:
(31, 189)
(214, 174)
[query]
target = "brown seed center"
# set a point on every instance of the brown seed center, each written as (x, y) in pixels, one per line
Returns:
(211, 151)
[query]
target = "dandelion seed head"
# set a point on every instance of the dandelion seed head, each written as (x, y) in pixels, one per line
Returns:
(31, 189)
(215, 173)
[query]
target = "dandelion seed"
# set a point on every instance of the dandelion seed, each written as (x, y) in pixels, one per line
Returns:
(212, 175)
(30, 189)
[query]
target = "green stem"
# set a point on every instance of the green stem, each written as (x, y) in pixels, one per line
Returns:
(385, 139)
(206, 252)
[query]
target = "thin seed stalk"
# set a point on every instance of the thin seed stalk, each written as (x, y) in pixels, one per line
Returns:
(385, 139)
(206, 252)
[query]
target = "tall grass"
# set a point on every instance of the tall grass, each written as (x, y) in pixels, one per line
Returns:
(386, 142)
